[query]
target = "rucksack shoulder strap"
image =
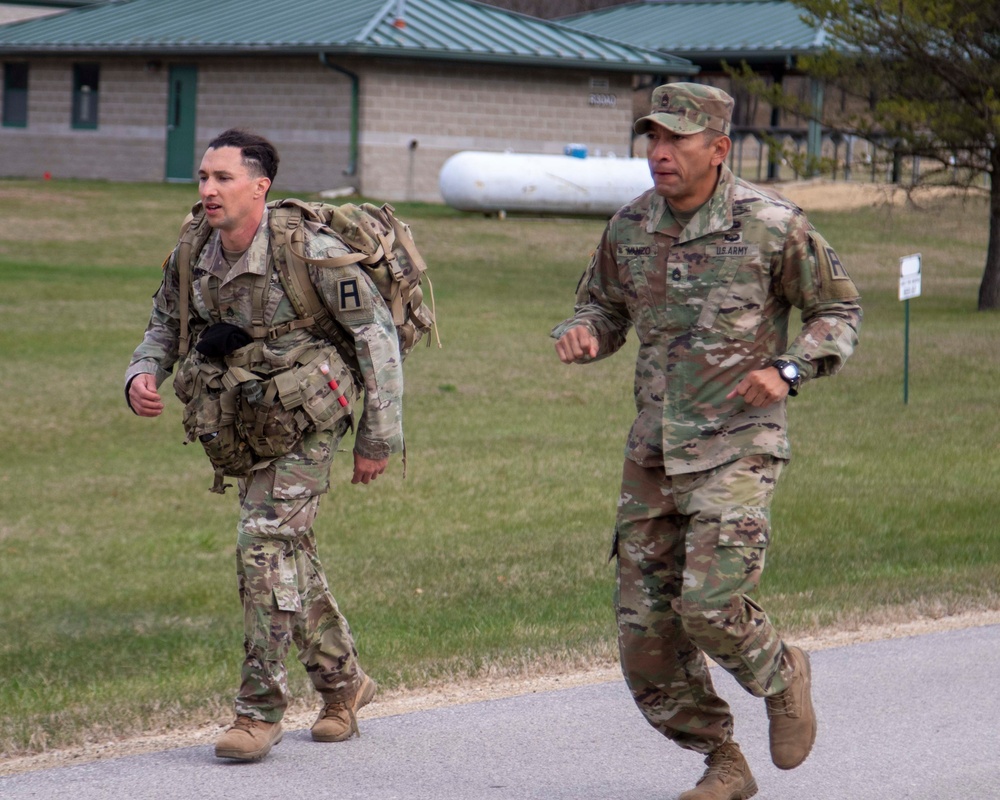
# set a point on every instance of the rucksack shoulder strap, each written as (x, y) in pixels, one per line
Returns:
(195, 231)
(288, 247)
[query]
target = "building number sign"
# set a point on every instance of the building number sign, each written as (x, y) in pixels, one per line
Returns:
(605, 100)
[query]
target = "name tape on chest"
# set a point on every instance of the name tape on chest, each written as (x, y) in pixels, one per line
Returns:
(726, 249)
(733, 250)
(626, 251)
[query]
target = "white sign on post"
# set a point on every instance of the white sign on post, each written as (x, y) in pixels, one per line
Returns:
(909, 277)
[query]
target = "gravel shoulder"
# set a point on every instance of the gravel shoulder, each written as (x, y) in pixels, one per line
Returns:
(393, 703)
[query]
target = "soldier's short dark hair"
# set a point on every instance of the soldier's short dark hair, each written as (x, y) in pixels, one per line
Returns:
(259, 155)
(711, 136)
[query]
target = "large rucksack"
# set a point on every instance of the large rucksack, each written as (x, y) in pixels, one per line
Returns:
(242, 408)
(382, 245)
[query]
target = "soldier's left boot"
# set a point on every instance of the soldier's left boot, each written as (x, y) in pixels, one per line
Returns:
(248, 739)
(338, 720)
(792, 716)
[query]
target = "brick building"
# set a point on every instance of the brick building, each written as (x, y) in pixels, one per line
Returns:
(362, 94)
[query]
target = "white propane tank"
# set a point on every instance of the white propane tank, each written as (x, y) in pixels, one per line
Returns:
(550, 184)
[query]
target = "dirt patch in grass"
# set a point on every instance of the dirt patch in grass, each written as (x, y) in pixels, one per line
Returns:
(389, 704)
(827, 195)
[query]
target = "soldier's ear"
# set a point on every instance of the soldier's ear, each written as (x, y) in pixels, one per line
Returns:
(721, 147)
(263, 184)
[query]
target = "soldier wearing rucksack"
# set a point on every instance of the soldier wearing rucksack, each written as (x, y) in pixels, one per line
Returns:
(270, 395)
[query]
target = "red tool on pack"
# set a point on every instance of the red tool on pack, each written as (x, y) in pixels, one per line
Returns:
(325, 369)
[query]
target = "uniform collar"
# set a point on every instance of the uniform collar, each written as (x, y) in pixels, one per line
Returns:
(253, 261)
(714, 216)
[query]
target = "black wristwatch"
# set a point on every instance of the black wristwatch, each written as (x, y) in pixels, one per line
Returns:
(790, 374)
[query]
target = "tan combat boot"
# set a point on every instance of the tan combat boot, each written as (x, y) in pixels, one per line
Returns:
(337, 721)
(728, 777)
(793, 718)
(248, 739)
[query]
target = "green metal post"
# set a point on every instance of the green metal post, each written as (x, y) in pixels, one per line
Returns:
(814, 135)
(906, 355)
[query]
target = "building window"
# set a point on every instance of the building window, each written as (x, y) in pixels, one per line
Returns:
(85, 94)
(15, 95)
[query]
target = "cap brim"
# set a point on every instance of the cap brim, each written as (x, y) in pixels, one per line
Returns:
(669, 121)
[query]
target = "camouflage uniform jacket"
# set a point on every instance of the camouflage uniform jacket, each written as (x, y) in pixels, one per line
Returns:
(349, 294)
(710, 303)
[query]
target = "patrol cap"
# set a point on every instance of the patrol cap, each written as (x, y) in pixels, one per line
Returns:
(688, 108)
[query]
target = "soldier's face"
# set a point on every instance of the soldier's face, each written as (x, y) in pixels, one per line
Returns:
(684, 168)
(231, 196)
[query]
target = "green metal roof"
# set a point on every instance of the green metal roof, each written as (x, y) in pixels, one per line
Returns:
(52, 3)
(730, 29)
(424, 29)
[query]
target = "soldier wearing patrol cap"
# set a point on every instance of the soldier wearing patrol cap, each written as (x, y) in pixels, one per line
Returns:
(706, 267)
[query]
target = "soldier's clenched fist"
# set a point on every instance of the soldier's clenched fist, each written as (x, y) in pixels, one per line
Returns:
(576, 345)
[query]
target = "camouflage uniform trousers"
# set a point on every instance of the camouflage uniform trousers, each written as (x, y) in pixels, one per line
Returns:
(282, 585)
(690, 549)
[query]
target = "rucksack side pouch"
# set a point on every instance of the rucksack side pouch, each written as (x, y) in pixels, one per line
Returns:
(293, 402)
(210, 417)
(324, 405)
(226, 449)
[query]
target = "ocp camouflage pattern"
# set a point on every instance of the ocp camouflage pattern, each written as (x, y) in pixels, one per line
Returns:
(711, 303)
(282, 585)
(691, 549)
(348, 293)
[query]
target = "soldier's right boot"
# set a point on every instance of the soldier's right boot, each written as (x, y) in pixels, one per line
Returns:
(338, 720)
(727, 777)
(248, 739)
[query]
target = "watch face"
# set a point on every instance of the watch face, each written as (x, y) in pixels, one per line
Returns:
(790, 371)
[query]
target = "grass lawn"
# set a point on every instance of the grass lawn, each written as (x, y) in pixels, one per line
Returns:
(117, 583)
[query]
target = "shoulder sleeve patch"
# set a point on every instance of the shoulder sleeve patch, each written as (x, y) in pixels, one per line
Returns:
(832, 280)
(353, 300)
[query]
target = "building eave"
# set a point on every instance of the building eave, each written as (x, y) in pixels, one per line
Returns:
(678, 66)
(763, 56)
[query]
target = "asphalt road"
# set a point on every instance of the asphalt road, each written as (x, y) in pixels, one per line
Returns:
(904, 718)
